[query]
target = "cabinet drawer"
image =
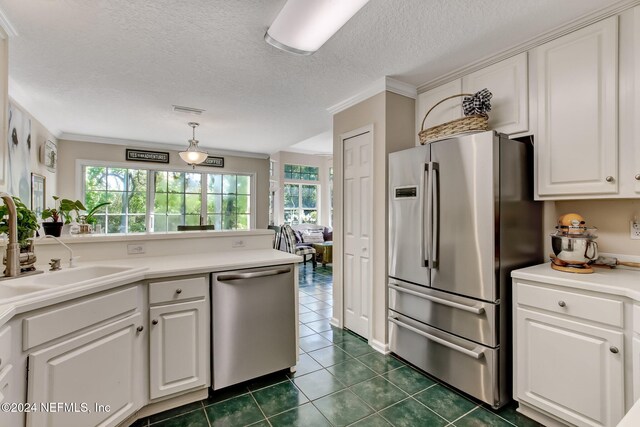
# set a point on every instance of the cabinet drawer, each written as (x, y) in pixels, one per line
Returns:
(178, 290)
(582, 306)
(67, 318)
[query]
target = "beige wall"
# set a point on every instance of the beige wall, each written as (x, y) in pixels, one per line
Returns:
(39, 134)
(611, 217)
(392, 117)
(321, 162)
(70, 152)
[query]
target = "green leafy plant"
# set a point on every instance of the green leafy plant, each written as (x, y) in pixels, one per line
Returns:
(53, 213)
(27, 221)
(89, 216)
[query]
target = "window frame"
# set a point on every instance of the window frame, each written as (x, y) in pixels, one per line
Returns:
(80, 185)
(300, 208)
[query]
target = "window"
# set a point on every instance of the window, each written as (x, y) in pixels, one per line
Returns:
(159, 200)
(229, 201)
(303, 173)
(300, 204)
(126, 189)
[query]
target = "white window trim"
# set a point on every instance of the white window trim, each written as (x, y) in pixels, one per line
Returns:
(80, 182)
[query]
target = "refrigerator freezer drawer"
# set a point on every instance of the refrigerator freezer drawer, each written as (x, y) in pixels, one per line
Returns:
(468, 318)
(468, 366)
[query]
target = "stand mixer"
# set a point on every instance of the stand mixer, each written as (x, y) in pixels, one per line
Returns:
(573, 245)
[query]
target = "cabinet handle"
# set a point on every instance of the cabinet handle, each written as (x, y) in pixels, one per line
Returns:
(178, 291)
(140, 328)
(562, 303)
(613, 350)
(609, 178)
(638, 177)
(154, 322)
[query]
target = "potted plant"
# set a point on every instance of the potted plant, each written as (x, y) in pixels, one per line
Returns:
(83, 220)
(27, 226)
(53, 227)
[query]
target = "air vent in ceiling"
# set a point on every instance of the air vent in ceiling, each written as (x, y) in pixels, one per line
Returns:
(188, 110)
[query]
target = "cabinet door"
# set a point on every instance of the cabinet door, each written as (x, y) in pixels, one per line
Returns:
(445, 112)
(100, 367)
(577, 139)
(179, 347)
(570, 369)
(635, 351)
(507, 81)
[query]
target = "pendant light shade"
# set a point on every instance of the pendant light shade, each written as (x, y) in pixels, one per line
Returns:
(193, 155)
(303, 26)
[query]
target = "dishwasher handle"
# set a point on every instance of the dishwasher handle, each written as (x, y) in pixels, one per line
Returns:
(253, 275)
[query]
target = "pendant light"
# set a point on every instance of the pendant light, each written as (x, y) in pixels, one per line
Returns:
(193, 155)
(302, 26)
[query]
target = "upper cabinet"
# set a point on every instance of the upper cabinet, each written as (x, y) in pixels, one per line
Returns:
(577, 137)
(445, 112)
(507, 81)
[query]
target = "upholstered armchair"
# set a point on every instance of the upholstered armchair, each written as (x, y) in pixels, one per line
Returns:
(286, 241)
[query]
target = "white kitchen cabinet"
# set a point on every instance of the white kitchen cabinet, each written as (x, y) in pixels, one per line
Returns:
(100, 367)
(179, 343)
(569, 354)
(179, 347)
(445, 112)
(577, 119)
(508, 82)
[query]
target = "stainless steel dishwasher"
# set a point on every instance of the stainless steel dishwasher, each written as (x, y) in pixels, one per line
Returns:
(254, 321)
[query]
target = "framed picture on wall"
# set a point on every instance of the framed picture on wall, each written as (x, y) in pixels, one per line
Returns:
(49, 155)
(37, 194)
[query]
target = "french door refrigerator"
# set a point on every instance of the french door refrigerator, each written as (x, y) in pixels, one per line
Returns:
(462, 216)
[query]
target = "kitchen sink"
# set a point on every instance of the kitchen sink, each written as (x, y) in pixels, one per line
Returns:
(78, 275)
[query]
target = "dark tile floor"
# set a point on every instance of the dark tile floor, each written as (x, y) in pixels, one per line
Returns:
(339, 381)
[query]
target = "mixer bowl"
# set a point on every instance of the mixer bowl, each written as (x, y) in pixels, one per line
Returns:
(574, 250)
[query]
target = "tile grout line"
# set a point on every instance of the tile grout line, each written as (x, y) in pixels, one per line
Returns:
(206, 416)
(259, 408)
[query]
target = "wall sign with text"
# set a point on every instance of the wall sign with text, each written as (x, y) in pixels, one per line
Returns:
(215, 162)
(147, 156)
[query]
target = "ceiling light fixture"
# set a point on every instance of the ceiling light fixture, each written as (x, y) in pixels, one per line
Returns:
(193, 155)
(302, 26)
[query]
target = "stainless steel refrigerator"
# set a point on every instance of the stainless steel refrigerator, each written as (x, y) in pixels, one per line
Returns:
(462, 216)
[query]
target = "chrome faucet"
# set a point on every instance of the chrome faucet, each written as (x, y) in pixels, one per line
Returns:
(13, 247)
(72, 259)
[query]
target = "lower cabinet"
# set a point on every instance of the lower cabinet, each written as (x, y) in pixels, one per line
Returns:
(93, 379)
(179, 347)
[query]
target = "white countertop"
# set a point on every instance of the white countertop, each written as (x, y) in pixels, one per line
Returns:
(17, 295)
(614, 281)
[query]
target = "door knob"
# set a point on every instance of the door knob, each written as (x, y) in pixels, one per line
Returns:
(140, 328)
(613, 350)
(562, 303)
(638, 177)
(154, 322)
(609, 178)
(178, 291)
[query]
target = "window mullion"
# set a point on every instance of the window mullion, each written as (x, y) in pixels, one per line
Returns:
(151, 194)
(203, 198)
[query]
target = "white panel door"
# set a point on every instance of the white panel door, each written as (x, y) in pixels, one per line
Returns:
(445, 112)
(358, 215)
(508, 82)
(636, 44)
(100, 367)
(635, 351)
(577, 140)
(178, 347)
(570, 369)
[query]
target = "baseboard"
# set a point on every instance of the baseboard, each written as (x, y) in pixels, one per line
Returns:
(164, 405)
(380, 347)
(335, 322)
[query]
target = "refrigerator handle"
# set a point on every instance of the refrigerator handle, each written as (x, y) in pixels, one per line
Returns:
(435, 214)
(426, 215)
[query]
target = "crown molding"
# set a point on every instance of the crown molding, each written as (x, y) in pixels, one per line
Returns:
(526, 46)
(154, 145)
(381, 85)
(7, 27)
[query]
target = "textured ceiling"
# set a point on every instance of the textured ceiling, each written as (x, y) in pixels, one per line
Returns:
(113, 68)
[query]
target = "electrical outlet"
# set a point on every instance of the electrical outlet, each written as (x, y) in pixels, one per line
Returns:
(634, 230)
(237, 244)
(136, 249)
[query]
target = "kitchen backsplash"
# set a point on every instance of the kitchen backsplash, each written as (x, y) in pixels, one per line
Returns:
(611, 217)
